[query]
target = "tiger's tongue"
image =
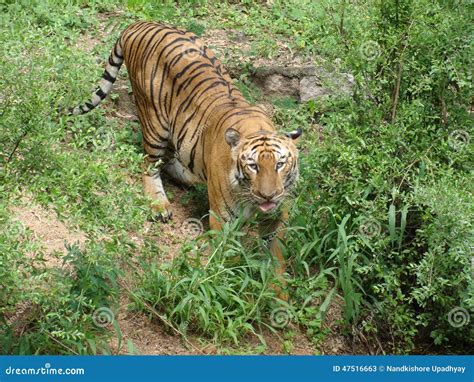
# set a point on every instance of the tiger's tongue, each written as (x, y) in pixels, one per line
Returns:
(267, 206)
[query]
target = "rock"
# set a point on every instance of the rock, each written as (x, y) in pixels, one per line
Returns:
(311, 88)
(276, 84)
(305, 83)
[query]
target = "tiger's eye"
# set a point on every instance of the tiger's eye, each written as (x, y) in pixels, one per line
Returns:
(253, 166)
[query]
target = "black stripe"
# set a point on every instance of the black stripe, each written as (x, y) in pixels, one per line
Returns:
(154, 134)
(89, 105)
(180, 140)
(101, 93)
(131, 45)
(154, 158)
(190, 100)
(146, 49)
(201, 92)
(108, 77)
(186, 68)
(163, 76)
(150, 40)
(256, 146)
(111, 62)
(219, 122)
(160, 90)
(188, 80)
(204, 113)
(156, 44)
(181, 73)
(119, 56)
(136, 44)
(236, 113)
(192, 157)
(158, 114)
(154, 146)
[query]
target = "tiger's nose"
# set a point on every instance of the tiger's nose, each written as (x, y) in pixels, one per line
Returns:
(268, 195)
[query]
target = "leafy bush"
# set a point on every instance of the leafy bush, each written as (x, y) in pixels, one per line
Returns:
(398, 161)
(216, 287)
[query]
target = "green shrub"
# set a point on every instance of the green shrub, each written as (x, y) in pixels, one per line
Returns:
(397, 160)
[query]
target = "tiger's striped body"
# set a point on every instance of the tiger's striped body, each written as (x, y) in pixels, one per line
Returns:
(197, 123)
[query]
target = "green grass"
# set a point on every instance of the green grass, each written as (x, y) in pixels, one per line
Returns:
(382, 218)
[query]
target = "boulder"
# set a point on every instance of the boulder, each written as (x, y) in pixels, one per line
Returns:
(304, 83)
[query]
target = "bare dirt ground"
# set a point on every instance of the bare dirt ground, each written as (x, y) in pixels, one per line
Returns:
(150, 335)
(47, 229)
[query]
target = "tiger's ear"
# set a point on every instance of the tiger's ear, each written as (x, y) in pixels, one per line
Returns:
(232, 137)
(295, 134)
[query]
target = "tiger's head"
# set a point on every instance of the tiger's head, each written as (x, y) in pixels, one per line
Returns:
(266, 166)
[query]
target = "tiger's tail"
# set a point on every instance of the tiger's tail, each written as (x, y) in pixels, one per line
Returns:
(105, 85)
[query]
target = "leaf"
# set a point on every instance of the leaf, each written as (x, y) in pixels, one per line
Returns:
(403, 224)
(92, 345)
(327, 300)
(131, 347)
(392, 223)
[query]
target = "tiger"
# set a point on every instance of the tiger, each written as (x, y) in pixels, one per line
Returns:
(198, 128)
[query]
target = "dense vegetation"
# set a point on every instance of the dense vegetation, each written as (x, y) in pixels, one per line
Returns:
(383, 214)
